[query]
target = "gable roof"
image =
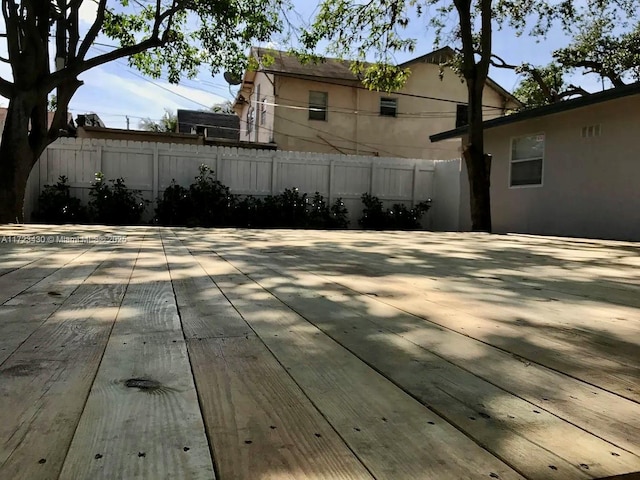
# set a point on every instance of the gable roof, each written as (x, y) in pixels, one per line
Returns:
(285, 63)
(444, 54)
(334, 68)
(564, 106)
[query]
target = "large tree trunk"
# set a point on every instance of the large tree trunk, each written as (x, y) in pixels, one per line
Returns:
(478, 163)
(19, 151)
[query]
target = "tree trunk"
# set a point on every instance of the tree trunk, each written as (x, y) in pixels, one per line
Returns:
(19, 151)
(478, 163)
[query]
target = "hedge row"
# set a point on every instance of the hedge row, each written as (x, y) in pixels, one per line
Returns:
(209, 203)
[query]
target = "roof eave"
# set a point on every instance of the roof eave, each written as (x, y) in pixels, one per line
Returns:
(564, 106)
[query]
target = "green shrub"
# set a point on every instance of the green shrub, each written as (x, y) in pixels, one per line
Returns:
(247, 213)
(56, 205)
(209, 203)
(212, 203)
(113, 204)
(323, 216)
(374, 216)
(175, 206)
(398, 217)
(292, 209)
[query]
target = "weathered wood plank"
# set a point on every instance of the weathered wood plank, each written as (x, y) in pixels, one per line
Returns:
(23, 314)
(45, 382)
(519, 432)
(388, 430)
(142, 418)
(17, 281)
(259, 422)
(514, 323)
(602, 413)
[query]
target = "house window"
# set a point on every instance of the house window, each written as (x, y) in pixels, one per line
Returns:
(263, 110)
(527, 154)
(318, 105)
(388, 107)
(462, 115)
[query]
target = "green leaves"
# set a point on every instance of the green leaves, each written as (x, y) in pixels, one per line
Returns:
(188, 34)
(529, 90)
(595, 49)
(359, 30)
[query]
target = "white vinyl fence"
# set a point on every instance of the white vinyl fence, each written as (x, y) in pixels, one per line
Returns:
(150, 167)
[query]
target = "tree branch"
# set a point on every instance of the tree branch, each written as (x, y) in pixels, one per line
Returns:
(6, 88)
(13, 32)
(92, 34)
(82, 66)
(548, 93)
(73, 25)
(502, 63)
(573, 90)
(599, 68)
(485, 40)
(464, 13)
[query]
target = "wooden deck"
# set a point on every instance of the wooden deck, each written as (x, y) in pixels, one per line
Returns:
(227, 354)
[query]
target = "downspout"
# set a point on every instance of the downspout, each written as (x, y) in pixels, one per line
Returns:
(356, 114)
(275, 104)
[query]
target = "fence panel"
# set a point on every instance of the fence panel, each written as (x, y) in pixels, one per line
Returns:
(151, 167)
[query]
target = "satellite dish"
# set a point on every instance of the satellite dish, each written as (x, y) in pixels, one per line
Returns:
(231, 79)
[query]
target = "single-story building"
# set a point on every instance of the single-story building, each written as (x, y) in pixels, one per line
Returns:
(569, 169)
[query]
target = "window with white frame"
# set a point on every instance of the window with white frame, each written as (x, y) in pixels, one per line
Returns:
(527, 156)
(318, 102)
(388, 107)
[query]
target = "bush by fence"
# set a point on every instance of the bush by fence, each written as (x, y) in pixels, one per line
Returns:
(112, 203)
(209, 203)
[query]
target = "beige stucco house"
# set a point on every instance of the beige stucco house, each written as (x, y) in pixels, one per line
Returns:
(568, 169)
(323, 107)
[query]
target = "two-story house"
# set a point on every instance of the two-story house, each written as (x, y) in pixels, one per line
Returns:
(323, 107)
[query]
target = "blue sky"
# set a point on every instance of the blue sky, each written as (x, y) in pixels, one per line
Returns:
(115, 91)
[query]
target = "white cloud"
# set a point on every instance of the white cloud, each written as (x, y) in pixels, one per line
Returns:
(88, 11)
(114, 96)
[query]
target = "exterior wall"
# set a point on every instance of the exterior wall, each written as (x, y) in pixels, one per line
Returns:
(150, 168)
(262, 133)
(367, 132)
(590, 185)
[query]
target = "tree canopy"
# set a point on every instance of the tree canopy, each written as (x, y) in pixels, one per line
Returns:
(48, 46)
(168, 123)
(605, 42)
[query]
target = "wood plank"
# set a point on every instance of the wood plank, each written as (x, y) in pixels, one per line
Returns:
(55, 258)
(602, 413)
(46, 381)
(260, 424)
(153, 430)
(609, 362)
(24, 313)
(587, 357)
(511, 428)
(387, 429)
(207, 313)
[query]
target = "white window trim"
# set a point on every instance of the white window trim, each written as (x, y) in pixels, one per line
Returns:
(511, 161)
(318, 108)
